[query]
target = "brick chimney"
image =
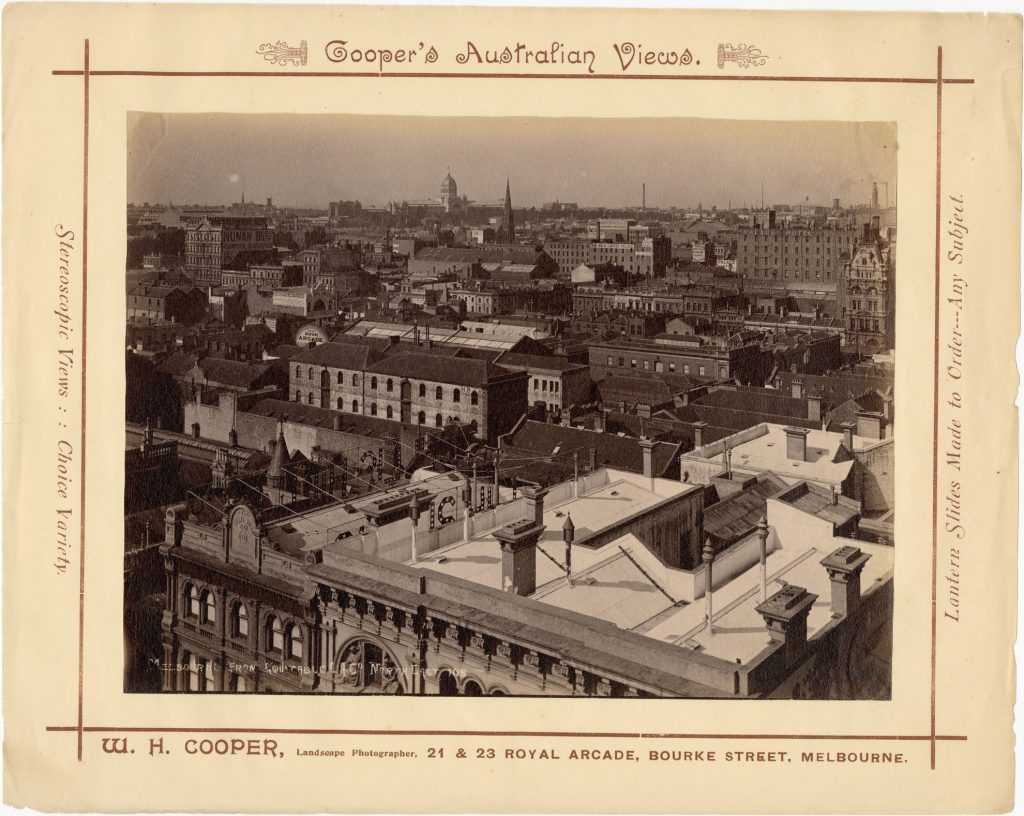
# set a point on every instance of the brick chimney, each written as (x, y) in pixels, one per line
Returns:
(519, 556)
(698, 433)
(796, 444)
(535, 499)
(600, 420)
(844, 567)
(785, 614)
(814, 408)
(870, 425)
(848, 429)
(647, 446)
(796, 389)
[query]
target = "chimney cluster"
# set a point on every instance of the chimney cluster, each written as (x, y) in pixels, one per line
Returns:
(785, 613)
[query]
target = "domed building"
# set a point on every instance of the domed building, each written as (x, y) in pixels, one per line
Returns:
(449, 193)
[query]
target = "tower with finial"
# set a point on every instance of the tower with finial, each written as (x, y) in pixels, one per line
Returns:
(508, 224)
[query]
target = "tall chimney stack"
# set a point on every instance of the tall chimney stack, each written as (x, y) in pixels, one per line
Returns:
(519, 556)
(848, 429)
(647, 446)
(796, 444)
(785, 614)
(844, 567)
(535, 500)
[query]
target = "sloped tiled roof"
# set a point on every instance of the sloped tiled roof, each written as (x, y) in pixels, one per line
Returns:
(735, 516)
(456, 371)
(232, 372)
(350, 356)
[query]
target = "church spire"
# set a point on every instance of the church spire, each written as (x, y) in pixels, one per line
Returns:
(508, 226)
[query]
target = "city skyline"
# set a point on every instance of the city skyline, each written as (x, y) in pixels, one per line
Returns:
(218, 158)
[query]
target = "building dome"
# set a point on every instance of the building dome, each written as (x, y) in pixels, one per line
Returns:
(449, 187)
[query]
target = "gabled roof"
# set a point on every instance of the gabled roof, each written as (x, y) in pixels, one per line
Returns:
(347, 355)
(232, 372)
(737, 515)
(442, 369)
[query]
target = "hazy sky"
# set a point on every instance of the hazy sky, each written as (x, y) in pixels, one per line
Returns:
(308, 160)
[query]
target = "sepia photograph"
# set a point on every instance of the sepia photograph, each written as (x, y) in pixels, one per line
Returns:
(487, 406)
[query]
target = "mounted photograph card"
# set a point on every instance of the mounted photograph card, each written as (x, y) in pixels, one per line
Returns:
(571, 360)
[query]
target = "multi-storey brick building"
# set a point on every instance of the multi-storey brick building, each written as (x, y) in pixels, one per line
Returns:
(745, 363)
(411, 387)
(215, 242)
(645, 258)
(405, 592)
(773, 255)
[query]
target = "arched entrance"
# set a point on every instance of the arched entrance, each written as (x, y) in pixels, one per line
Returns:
(365, 667)
(472, 689)
(447, 685)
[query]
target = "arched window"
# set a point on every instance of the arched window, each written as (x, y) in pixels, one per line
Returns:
(373, 409)
(438, 421)
(437, 393)
(239, 620)
(421, 417)
(423, 389)
(474, 398)
(390, 412)
(294, 642)
(355, 379)
(195, 671)
(341, 378)
(355, 406)
(298, 372)
(309, 398)
(209, 604)
(390, 386)
(311, 372)
(341, 406)
(192, 600)
(373, 383)
(275, 634)
(456, 395)
(298, 396)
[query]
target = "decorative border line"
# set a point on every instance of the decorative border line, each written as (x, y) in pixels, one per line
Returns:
(935, 427)
(938, 81)
(85, 335)
(470, 75)
(570, 734)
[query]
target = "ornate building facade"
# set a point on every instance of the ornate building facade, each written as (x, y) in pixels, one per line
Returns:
(867, 295)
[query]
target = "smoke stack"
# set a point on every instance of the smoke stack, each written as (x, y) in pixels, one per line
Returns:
(644, 204)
